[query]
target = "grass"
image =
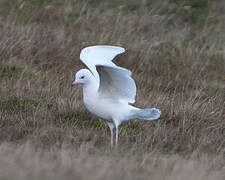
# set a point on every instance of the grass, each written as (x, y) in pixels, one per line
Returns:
(60, 165)
(175, 50)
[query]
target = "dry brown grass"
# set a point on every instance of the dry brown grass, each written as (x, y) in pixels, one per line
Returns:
(178, 62)
(87, 162)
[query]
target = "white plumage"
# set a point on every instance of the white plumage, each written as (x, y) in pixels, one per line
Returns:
(99, 55)
(108, 90)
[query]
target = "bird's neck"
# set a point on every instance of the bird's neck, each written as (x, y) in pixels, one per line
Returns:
(90, 89)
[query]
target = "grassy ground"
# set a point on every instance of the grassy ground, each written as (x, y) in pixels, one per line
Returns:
(176, 52)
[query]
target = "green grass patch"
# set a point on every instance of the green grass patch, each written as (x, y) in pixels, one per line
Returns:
(85, 120)
(6, 6)
(81, 119)
(195, 12)
(131, 127)
(14, 71)
(214, 85)
(18, 104)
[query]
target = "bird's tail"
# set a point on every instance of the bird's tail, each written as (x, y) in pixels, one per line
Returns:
(147, 114)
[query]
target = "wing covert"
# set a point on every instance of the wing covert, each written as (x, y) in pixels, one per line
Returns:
(116, 83)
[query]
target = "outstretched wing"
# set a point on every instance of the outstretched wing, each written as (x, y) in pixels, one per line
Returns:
(116, 83)
(99, 55)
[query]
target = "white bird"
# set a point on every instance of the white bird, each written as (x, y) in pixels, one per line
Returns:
(108, 90)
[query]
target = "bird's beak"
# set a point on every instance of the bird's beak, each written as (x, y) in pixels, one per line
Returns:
(74, 83)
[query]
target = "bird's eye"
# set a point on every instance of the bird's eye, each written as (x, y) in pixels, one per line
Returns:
(82, 77)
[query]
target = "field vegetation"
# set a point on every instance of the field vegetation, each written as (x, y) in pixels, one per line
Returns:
(176, 52)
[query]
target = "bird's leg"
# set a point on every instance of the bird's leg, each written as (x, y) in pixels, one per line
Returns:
(117, 134)
(111, 127)
(111, 131)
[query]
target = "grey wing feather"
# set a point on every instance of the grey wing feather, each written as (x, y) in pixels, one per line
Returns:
(116, 83)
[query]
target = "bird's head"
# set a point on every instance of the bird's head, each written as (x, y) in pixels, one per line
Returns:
(83, 76)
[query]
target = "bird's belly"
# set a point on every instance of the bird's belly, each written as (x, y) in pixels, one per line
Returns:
(99, 108)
